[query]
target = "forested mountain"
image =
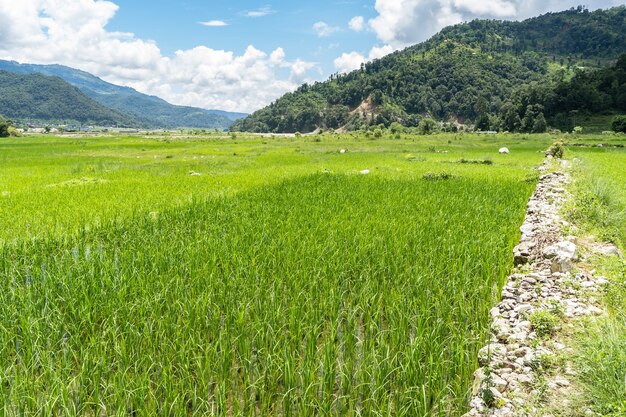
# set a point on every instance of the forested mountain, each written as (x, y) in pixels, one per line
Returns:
(40, 98)
(468, 72)
(150, 111)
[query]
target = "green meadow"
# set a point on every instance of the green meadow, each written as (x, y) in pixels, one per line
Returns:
(600, 209)
(209, 275)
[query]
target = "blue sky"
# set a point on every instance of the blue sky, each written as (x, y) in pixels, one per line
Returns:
(286, 24)
(233, 55)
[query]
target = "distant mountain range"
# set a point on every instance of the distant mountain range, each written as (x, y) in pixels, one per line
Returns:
(38, 98)
(479, 72)
(132, 107)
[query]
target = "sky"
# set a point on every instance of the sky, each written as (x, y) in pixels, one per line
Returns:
(237, 55)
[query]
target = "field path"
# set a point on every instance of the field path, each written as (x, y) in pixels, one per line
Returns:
(546, 292)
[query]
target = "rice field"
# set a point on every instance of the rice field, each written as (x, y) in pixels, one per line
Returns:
(280, 281)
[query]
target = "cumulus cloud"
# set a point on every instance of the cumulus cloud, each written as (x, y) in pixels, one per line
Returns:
(352, 60)
(214, 23)
(323, 29)
(405, 22)
(357, 23)
(73, 33)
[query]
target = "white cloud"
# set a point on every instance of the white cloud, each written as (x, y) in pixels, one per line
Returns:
(323, 29)
(357, 23)
(261, 12)
(214, 23)
(402, 23)
(73, 33)
(350, 61)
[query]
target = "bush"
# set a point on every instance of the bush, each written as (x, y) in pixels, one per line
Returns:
(619, 124)
(427, 126)
(14, 132)
(543, 323)
(5, 125)
(378, 132)
(556, 150)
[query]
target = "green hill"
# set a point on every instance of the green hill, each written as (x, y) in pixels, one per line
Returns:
(39, 98)
(151, 111)
(467, 72)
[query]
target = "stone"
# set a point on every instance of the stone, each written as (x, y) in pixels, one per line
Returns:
(499, 383)
(501, 328)
(561, 382)
(561, 265)
(520, 258)
(563, 250)
(342, 151)
(608, 249)
(492, 350)
(504, 151)
(520, 337)
(495, 392)
(364, 172)
(523, 308)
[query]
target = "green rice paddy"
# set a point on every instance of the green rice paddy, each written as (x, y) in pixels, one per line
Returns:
(280, 281)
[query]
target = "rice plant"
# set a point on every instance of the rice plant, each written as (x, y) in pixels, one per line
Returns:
(313, 294)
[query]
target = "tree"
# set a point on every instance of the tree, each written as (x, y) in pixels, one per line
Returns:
(510, 120)
(4, 127)
(619, 124)
(540, 125)
(427, 126)
(532, 113)
(482, 122)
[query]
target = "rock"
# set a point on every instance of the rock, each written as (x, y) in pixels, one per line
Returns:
(342, 151)
(520, 337)
(561, 382)
(561, 265)
(499, 383)
(478, 404)
(523, 308)
(504, 150)
(364, 172)
(501, 328)
(495, 392)
(492, 350)
(595, 311)
(194, 174)
(563, 250)
(607, 249)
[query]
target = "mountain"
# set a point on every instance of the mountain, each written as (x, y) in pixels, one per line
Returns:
(40, 98)
(464, 73)
(151, 111)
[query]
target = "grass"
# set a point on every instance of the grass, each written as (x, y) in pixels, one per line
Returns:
(279, 282)
(57, 185)
(600, 209)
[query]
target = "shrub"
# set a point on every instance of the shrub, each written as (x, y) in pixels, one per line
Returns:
(5, 125)
(556, 150)
(543, 323)
(619, 124)
(427, 126)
